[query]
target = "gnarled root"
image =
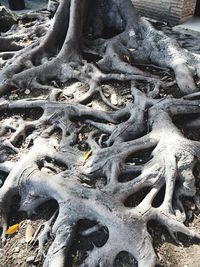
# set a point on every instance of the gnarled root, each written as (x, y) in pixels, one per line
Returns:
(172, 159)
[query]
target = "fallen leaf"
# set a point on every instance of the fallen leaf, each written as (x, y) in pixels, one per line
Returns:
(12, 229)
(27, 41)
(131, 49)
(127, 58)
(29, 233)
(87, 154)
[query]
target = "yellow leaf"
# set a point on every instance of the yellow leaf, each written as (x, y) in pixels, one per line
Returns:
(12, 229)
(87, 154)
(29, 233)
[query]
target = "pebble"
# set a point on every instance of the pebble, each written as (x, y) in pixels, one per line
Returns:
(113, 99)
(22, 241)
(27, 91)
(17, 250)
(30, 259)
(106, 94)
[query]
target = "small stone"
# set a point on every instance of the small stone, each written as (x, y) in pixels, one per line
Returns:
(30, 259)
(106, 94)
(27, 91)
(22, 241)
(114, 99)
(132, 33)
(16, 250)
(13, 97)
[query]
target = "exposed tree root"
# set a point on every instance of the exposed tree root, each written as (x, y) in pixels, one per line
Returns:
(173, 158)
(42, 155)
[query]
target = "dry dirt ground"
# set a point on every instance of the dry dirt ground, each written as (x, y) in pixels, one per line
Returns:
(17, 252)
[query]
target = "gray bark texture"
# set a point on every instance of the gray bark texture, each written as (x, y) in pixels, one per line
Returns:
(93, 42)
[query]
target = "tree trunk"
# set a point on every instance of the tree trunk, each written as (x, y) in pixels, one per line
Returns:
(16, 4)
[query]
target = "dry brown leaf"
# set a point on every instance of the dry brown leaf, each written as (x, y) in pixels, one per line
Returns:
(29, 233)
(27, 41)
(127, 58)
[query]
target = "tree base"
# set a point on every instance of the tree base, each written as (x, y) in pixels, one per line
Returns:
(16, 4)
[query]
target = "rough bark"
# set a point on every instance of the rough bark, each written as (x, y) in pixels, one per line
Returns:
(113, 35)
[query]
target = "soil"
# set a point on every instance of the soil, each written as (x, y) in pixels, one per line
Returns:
(17, 252)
